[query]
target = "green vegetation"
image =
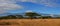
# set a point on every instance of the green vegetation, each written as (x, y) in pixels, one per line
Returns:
(31, 15)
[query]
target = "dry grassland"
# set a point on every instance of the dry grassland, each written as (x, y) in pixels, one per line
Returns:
(30, 22)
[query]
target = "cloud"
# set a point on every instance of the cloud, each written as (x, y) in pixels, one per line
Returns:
(49, 3)
(29, 11)
(8, 5)
(11, 4)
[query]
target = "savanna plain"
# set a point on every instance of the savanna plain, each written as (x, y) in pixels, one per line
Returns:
(30, 22)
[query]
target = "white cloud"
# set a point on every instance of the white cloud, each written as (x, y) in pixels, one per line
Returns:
(49, 3)
(8, 5)
(11, 4)
(29, 11)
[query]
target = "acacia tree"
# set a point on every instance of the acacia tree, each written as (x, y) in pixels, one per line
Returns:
(8, 17)
(32, 14)
(46, 17)
(19, 16)
(11, 17)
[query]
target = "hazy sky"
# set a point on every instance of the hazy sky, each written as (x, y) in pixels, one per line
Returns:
(39, 6)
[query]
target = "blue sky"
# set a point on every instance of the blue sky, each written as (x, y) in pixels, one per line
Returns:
(39, 6)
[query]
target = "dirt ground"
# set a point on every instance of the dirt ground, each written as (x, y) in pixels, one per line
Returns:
(30, 22)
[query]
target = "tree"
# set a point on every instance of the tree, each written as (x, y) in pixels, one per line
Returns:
(19, 16)
(32, 14)
(46, 17)
(11, 17)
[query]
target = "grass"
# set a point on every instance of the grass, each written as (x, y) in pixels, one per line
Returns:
(30, 22)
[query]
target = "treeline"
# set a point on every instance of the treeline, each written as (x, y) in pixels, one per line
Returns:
(29, 15)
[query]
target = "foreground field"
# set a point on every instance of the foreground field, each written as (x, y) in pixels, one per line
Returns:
(30, 22)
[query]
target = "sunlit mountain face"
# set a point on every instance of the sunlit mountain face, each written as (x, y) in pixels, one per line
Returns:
(44, 7)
